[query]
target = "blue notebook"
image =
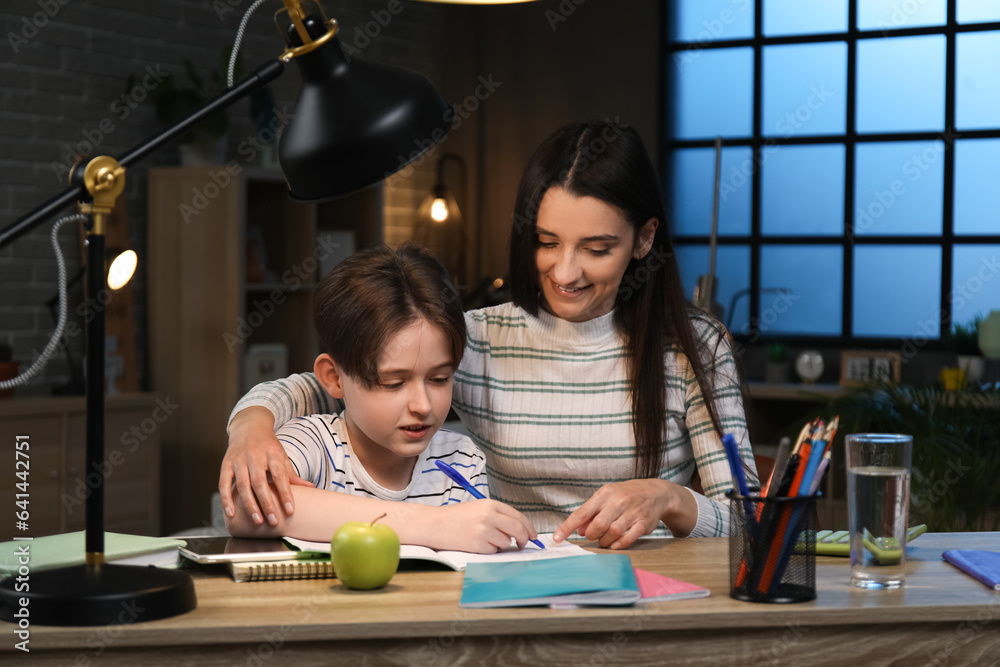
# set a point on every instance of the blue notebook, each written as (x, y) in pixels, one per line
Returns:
(596, 579)
(983, 565)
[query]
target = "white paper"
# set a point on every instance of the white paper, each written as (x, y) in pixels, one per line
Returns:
(459, 559)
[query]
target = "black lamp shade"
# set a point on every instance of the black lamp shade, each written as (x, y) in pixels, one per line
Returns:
(356, 123)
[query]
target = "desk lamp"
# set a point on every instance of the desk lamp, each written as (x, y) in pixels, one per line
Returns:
(355, 124)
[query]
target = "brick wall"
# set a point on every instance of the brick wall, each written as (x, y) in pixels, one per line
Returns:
(64, 65)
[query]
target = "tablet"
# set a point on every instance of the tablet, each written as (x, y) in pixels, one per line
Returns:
(226, 549)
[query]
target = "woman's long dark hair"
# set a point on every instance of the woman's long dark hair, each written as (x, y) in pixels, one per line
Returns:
(608, 161)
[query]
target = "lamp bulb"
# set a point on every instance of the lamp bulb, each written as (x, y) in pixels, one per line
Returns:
(122, 269)
(439, 210)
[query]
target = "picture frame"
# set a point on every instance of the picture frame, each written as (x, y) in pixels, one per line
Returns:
(859, 367)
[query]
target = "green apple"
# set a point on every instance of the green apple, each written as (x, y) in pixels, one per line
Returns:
(364, 555)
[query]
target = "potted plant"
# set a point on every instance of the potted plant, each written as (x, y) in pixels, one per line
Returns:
(178, 95)
(778, 368)
(956, 448)
(8, 368)
(964, 339)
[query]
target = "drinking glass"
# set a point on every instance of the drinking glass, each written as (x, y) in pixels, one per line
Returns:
(878, 502)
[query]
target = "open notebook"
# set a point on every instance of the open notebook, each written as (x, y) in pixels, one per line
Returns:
(458, 560)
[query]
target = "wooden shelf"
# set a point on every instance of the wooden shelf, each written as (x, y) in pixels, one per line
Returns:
(58, 478)
(240, 270)
(810, 393)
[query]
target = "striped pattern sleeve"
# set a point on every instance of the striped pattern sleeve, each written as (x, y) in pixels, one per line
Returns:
(315, 451)
(459, 452)
(297, 395)
(710, 456)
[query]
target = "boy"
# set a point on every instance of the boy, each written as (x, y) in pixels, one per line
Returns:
(392, 334)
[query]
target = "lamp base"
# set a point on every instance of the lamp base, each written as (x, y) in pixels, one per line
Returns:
(97, 595)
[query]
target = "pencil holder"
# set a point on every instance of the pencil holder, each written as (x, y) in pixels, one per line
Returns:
(772, 548)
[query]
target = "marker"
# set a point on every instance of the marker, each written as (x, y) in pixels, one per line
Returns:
(464, 483)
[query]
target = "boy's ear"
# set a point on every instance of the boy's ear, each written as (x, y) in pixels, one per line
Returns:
(328, 374)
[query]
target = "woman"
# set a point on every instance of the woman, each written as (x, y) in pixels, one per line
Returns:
(598, 392)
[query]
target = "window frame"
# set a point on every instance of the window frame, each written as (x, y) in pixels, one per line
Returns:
(850, 139)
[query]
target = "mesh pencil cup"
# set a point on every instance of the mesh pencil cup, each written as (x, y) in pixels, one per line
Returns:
(772, 548)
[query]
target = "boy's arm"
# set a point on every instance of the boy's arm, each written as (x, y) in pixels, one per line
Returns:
(481, 526)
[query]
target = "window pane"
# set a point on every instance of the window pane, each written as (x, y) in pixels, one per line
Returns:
(899, 188)
(977, 199)
(814, 274)
(977, 81)
(901, 84)
(732, 268)
(802, 190)
(974, 281)
(891, 14)
(794, 17)
(693, 178)
(708, 20)
(897, 291)
(713, 94)
(978, 11)
(804, 89)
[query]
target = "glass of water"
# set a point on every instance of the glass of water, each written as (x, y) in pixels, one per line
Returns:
(878, 502)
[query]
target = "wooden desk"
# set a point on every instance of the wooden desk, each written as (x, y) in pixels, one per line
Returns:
(942, 614)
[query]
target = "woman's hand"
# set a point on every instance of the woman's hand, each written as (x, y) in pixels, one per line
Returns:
(620, 513)
(253, 452)
(478, 526)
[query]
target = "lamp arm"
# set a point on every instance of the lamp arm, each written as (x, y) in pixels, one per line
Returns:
(263, 75)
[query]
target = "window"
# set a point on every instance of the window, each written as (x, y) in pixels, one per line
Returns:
(859, 163)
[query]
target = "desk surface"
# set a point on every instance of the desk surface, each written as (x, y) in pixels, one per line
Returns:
(416, 620)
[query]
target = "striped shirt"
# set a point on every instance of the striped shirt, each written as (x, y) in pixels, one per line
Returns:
(548, 401)
(319, 448)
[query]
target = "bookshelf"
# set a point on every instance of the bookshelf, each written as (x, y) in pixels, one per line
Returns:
(233, 264)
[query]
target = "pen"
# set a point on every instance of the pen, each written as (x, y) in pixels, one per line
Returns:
(464, 483)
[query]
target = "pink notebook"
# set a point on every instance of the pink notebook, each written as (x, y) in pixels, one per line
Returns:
(656, 587)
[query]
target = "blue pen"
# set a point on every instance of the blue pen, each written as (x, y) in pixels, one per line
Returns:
(464, 483)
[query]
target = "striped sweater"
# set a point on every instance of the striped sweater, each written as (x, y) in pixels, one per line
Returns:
(547, 400)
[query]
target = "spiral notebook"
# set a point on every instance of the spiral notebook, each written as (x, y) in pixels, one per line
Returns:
(281, 570)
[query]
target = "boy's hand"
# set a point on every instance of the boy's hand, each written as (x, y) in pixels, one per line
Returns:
(480, 526)
(253, 452)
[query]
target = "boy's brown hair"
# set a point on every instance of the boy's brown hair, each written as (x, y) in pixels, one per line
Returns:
(372, 295)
